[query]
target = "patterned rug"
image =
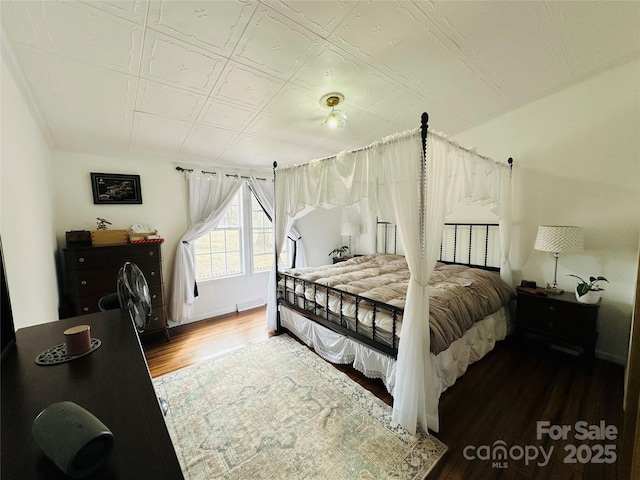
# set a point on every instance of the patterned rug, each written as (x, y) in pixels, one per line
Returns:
(275, 410)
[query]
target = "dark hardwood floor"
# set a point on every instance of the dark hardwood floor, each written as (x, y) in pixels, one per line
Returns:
(499, 401)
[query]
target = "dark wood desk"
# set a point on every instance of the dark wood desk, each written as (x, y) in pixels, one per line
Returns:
(113, 383)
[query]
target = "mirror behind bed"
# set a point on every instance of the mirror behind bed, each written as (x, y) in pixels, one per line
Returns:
(473, 244)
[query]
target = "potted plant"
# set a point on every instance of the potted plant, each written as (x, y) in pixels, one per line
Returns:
(585, 291)
(338, 251)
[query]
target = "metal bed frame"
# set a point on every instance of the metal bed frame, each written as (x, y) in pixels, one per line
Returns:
(310, 309)
(287, 294)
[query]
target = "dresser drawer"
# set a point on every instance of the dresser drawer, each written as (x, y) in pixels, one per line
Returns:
(88, 302)
(100, 257)
(145, 253)
(152, 272)
(81, 258)
(157, 297)
(558, 318)
(85, 282)
(158, 320)
(84, 304)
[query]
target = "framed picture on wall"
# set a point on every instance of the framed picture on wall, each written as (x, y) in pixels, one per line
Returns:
(115, 189)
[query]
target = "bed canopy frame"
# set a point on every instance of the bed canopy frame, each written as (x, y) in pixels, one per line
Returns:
(454, 173)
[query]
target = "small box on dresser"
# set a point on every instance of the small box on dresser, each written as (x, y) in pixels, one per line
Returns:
(92, 272)
(559, 319)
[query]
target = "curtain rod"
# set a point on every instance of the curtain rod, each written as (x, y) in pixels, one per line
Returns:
(181, 169)
(355, 150)
(415, 131)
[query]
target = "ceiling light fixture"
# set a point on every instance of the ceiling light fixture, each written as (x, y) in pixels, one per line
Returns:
(337, 117)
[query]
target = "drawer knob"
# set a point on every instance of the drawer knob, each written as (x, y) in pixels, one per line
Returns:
(86, 309)
(81, 259)
(550, 324)
(154, 297)
(83, 282)
(552, 309)
(151, 254)
(153, 274)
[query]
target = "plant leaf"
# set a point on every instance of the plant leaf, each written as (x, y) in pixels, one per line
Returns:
(582, 289)
(576, 276)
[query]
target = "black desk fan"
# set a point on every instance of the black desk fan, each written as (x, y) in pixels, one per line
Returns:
(134, 296)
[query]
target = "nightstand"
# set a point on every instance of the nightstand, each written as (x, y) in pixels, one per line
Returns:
(343, 258)
(559, 319)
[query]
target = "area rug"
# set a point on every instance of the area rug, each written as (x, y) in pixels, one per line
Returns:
(275, 410)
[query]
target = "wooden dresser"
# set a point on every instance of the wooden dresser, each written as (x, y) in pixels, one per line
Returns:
(92, 272)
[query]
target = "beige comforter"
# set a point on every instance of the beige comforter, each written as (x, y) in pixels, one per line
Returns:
(460, 295)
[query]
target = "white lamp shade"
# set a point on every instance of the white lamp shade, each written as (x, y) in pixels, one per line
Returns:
(559, 239)
(350, 226)
(350, 229)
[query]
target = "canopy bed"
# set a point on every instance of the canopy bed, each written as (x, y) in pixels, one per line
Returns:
(413, 179)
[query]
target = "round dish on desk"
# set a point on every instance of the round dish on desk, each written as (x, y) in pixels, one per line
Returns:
(58, 354)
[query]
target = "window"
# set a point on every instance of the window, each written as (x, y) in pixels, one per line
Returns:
(241, 243)
(262, 235)
(219, 252)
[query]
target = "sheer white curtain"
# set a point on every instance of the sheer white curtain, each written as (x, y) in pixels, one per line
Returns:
(263, 190)
(342, 181)
(208, 198)
(265, 195)
(420, 231)
(482, 180)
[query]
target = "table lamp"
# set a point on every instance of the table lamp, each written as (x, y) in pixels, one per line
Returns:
(558, 239)
(350, 229)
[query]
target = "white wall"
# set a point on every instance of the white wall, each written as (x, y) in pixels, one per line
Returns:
(27, 213)
(577, 162)
(320, 231)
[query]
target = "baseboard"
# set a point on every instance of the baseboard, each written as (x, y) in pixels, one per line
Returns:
(611, 358)
(197, 318)
(599, 354)
(216, 313)
(250, 304)
(207, 316)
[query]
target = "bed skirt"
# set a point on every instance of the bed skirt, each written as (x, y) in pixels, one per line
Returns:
(449, 364)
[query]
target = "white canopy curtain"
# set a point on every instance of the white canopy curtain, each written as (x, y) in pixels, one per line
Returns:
(318, 184)
(263, 191)
(387, 174)
(209, 195)
(265, 196)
